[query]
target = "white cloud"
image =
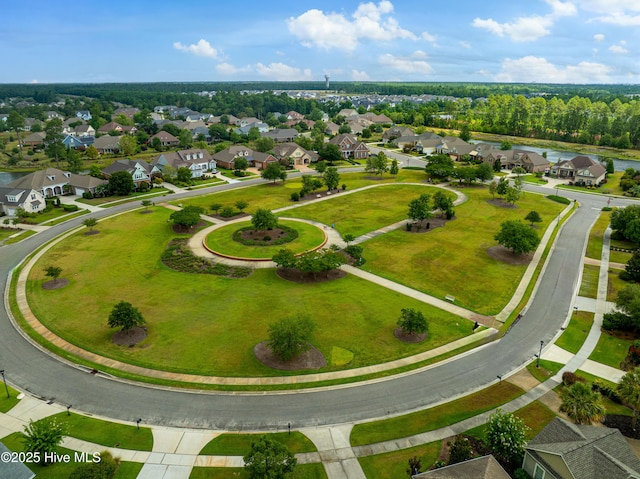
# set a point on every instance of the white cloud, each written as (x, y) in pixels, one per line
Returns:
(202, 49)
(528, 29)
(598, 37)
(281, 72)
(428, 37)
(465, 44)
(229, 69)
(359, 75)
(370, 21)
(618, 49)
(405, 65)
(537, 69)
(34, 81)
(625, 13)
(419, 54)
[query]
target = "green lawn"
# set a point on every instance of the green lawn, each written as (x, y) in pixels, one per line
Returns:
(435, 417)
(240, 444)
(6, 232)
(143, 195)
(227, 316)
(615, 284)
(221, 240)
(60, 470)
(20, 237)
(6, 403)
(611, 350)
(302, 471)
(393, 465)
(70, 216)
(589, 285)
(106, 433)
(546, 369)
(355, 214)
(436, 262)
(45, 216)
(596, 235)
(577, 331)
(611, 187)
(619, 257)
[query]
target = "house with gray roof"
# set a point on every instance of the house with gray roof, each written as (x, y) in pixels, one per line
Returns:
(281, 135)
(563, 450)
(55, 182)
(197, 160)
(226, 157)
(485, 467)
(13, 199)
(107, 144)
(581, 170)
(140, 171)
(13, 470)
(530, 161)
(296, 155)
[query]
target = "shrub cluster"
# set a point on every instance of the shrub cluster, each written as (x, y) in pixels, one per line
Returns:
(569, 378)
(179, 257)
(290, 235)
(618, 322)
(605, 389)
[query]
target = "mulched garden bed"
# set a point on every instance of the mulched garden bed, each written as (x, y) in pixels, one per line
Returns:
(309, 359)
(130, 337)
(179, 257)
(146, 212)
(55, 284)
(251, 237)
(502, 203)
(435, 222)
(505, 255)
(179, 229)
(405, 337)
(623, 423)
(91, 232)
(291, 274)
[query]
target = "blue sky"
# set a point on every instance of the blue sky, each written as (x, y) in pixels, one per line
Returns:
(572, 41)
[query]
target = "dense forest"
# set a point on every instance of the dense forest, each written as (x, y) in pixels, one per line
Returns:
(607, 115)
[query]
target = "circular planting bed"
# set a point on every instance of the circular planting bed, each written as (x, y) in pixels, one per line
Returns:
(241, 240)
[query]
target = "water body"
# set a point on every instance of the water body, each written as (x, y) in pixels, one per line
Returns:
(554, 156)
(7, 177)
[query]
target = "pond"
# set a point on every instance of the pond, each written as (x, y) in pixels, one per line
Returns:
(7, 177)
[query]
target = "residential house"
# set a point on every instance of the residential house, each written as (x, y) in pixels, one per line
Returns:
(247, 121)
(309, 123)
(294, 115)
(73, 142)
(350, 146)
(84, 114)
(580, 170)
(331, 129)
(380, 119)
(226, 158)
(297, 155)
(485, 467)
(281, 135)
(563, 450)
(109, 127)
(348, 112)
(36, 138)
(129, 112)
(84, 130)
(245, 129)
(166, 139)
(358, 125)
(201, 130)
(13, 199)
(54, 182)
(107, 144)
(530, 161)
(140, 171)
(30, 123)
(397, 132)
(454, 147)
(197, 160)
(53, 114)
(261, 160)
(14, 470)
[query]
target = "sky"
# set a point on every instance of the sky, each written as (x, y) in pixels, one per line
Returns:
(533, 41)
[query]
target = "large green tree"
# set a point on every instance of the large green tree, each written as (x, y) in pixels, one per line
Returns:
(629, 392)
(377, 164)
(439, 166)
(269, 459)
(330, 153)
(15, 122)
(581, 403)
(412, 321)
(331, 178)
(290, 336)
(263, 219)
(274, 171)
(54, 146)
(125, 316)
(420, 208)
(517, 236)
(121, 183)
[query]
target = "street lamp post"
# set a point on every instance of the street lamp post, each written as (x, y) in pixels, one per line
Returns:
(138, 421)
(5, 383)
(539, 354)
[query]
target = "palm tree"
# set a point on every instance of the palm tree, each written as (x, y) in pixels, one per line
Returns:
(629, 392)
(581, 403)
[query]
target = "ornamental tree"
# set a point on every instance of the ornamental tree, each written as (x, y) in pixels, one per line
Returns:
(125, 316)
(269, 459)
(188, 216)
(121, 183)
(420, 208)
(42, 437)
(264, 219)
(412, 321)
(53, 272)
(290, 336)
(517, 236)
(506, 434)
(331, 178)
(629, 392)
(533, 217)
(581, 403)
(274, 171)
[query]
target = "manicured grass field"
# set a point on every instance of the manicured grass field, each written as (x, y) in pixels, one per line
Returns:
(393, 465)
(302, 471)
(221, 240)
(596, 235)
(45, 216)
(6, 232)
(621, 256)
(60, 470)
(611, 350)
(615, 284)
(436, 417)
(106, 433)
(6, 403)
(240, 444)
(272, 196)
(453, 260)
(205, 324)
(546, 369)
(364, 211)
(589, 285)
(20, 237)
(577, 331)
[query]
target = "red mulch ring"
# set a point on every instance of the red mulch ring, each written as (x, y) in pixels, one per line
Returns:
(91, 232)
(130, 337)
(405, 337)
(255, 235)
(502, 204)
(435, 222)
(55, 284)
(507, 256)
(309, 359)
(296, 276)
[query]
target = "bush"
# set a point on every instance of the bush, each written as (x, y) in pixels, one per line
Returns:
(606, 390)
(105, 469)
(449, 213)
(625, 276)
(569, 378)
(617, 322)
(227, 212)
(70, 207)
(144, 186)
(87, 195)
(295, 196)
(31, 152)
(607, 208)
(521, 474)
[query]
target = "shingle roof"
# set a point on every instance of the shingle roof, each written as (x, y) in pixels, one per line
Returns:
(479, 468)
(14, 470)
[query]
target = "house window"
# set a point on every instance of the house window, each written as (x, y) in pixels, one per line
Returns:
(538, 472)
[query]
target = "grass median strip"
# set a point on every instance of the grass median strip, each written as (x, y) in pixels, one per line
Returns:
(393, 465)
(302, 471)
(240, 444)
(7, 403)
(435, 417)
(577, 331)
(546, 369)
(589, 285)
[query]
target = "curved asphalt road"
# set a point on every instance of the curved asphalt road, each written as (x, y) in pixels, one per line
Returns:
(32, 370)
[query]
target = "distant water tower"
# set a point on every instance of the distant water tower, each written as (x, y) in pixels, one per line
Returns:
(326, 81)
